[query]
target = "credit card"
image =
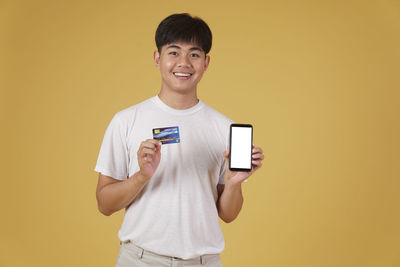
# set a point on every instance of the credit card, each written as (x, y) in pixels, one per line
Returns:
(167, 135)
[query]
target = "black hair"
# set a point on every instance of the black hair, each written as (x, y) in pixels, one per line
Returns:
(184, 28)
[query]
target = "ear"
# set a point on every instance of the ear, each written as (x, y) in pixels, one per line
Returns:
(156, 56)
(207, 61)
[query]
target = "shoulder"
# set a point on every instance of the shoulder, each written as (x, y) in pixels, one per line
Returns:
(217, 124)
(128, 115)
(216, 116)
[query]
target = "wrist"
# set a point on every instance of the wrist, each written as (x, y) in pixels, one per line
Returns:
(233, 185)
(141, 178)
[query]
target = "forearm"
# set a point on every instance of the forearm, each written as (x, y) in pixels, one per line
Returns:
(116, 196)
(230, 202)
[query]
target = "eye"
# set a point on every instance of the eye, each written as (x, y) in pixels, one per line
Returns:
(174, 53)
(194, 55)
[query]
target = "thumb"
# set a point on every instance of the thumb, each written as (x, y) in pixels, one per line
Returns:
(226, 154)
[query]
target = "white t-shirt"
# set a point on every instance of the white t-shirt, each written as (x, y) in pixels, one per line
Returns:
(175, 214)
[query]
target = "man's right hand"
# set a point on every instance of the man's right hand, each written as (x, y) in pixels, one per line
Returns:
(149, 155)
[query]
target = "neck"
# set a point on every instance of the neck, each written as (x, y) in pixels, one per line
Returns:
(178, 100)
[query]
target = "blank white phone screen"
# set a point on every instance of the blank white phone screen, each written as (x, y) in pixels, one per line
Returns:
(241, 147)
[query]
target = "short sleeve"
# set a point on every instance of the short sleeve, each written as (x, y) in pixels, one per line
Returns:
(113, 157)
(222, 172)
(226, 141)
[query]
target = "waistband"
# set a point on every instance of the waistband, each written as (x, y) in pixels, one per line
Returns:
(140, 252)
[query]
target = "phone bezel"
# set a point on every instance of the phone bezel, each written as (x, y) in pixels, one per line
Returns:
(230, 146)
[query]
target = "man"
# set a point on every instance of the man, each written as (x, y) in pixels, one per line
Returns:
(173, 193)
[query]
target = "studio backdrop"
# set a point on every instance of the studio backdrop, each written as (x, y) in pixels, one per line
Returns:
(318, 80)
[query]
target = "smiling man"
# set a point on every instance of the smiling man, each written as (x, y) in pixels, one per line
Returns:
(182, 66)
(164, 161)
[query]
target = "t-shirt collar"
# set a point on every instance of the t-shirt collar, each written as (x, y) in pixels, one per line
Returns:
(157, 101)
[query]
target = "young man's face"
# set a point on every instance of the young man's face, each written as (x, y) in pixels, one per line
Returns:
(181, 65)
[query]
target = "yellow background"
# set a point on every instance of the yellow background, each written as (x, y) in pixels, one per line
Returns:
(319, 80)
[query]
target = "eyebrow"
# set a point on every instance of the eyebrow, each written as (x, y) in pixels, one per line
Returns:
(194, 48)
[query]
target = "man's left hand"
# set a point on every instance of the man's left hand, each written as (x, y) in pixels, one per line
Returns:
(234, 177)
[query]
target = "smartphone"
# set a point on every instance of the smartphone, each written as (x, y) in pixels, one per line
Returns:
(240, 147)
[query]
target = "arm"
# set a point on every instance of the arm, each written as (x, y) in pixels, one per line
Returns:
(230, 197)
(229, 202)
(113, 195)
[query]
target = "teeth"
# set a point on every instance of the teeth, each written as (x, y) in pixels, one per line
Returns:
(182, 74)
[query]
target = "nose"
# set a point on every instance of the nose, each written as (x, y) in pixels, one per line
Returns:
(183, 61)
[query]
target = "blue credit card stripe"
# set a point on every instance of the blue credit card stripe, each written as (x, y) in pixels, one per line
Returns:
(169, 139)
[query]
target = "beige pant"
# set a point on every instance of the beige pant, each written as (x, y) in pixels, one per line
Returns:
(131, 255)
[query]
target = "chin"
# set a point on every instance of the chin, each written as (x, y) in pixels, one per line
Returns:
(183, 90)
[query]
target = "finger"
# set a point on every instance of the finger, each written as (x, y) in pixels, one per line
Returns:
(148, 158)
(256, 163)
(258, 156)
(257, 150)
(144, 150)
(147, 144)
(151, 143)
(155, 142)
(147, 151)
(226, 153)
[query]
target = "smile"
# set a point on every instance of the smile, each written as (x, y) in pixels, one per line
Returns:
(180, 74)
